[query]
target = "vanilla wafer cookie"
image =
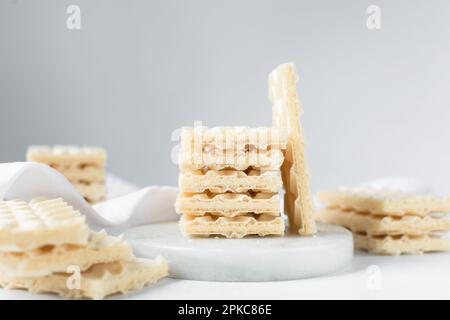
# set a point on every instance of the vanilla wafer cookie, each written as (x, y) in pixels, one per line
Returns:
(274, 166)
(45, 260)
(236, 227)
(86, 175)
(286, 115)
(384, 225)
(239, 139)
(98, 282)
(92, 192)
(397, 245)
(218, 160)
(228, 204)
(26, 226)
(383, 202)
(67, 156)
(221, 181)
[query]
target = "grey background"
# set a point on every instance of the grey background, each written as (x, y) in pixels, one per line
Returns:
(376, 102)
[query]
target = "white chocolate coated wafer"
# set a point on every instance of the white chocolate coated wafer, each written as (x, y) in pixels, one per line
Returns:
(383, 202)
(228, 204)
(45, 260)
(26, 226)
(384, 225)
(86, 175)
(82, 166)
(390, 245)
(68, 155)
(98, 282)
(239, 139)
(236, 227)
(93, 192)
(230, 181)
(267, 160)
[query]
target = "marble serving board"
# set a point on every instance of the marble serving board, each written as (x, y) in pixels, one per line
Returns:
(248, 259)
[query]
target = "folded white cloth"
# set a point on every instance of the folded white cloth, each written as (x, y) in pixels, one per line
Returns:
(117, 187)
(26, 180)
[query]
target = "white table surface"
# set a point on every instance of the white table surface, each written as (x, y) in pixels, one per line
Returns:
(411, 277)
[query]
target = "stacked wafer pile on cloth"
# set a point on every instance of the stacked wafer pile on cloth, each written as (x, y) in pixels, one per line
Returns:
(388, 222)
(46, 246)
(84, 167)
(230, 177)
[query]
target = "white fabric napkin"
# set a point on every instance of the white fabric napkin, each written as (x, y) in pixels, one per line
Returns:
(25, 180)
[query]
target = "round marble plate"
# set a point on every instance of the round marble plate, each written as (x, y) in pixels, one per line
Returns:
(248, 259)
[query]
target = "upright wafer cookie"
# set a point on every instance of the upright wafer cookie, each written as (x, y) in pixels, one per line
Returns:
(397, 245)
(26, 226)
(221, 181)
(235, 227)
(384, 225)
(383, 202)
(99, 281)
(227, 204)
(48, 259)
(286, 115)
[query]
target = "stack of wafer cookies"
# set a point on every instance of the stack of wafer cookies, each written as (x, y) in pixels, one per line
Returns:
(46, 246)
(84, 167)
(286, 116)
(389, 222)
(229, 181)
